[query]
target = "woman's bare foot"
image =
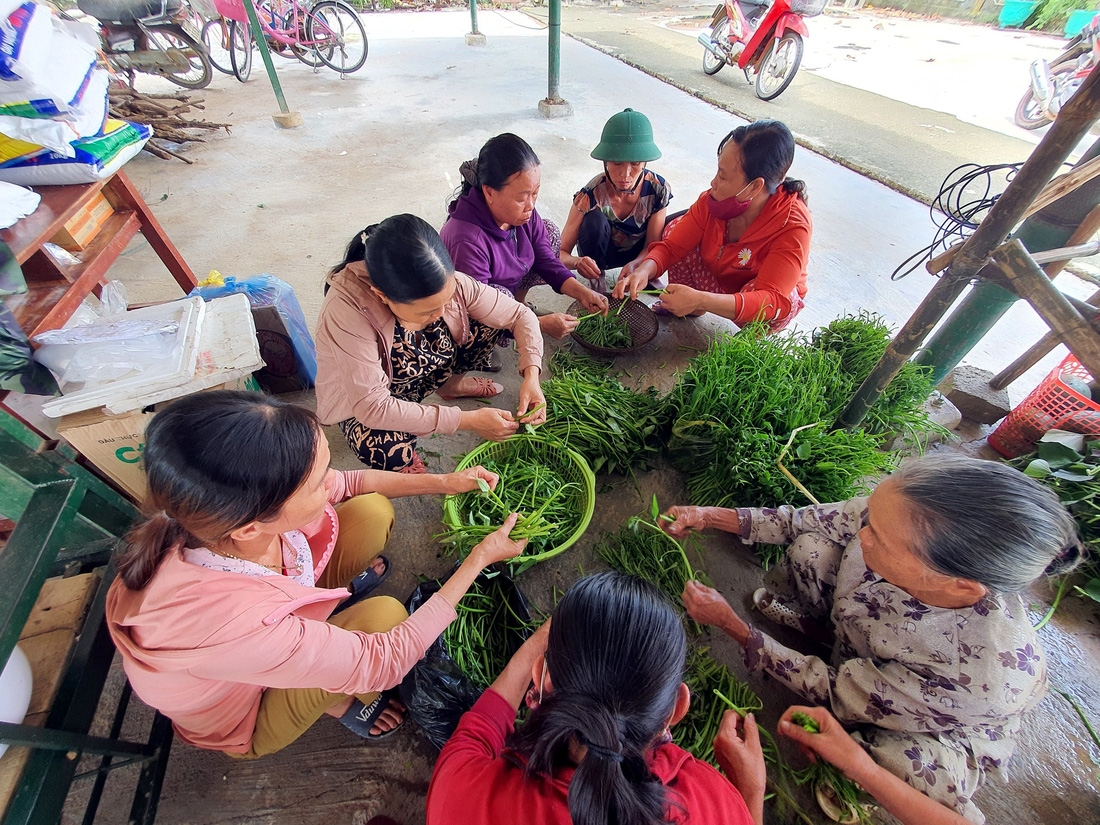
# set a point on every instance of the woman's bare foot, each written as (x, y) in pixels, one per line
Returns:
(391, 717)
(468, 386)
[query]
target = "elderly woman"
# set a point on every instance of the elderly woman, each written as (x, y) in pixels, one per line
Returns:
(742, 249)
(495, 235)
(934, 659)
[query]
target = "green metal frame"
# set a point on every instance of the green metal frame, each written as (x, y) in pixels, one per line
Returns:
(66, 519)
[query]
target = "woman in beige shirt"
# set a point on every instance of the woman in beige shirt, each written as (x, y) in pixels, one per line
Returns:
(397, 324)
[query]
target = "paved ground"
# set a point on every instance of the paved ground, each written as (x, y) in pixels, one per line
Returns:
(390, 139)
(903, 101)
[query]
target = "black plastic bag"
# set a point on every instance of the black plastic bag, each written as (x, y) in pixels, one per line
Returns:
(436, 692)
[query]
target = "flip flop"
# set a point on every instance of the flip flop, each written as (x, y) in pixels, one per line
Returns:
(483, 388)
(360, 718)
(364, 584)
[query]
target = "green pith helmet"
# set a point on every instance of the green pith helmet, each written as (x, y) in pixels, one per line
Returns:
(627, 138)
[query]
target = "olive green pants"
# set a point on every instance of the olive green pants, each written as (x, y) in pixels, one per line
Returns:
(286, 713)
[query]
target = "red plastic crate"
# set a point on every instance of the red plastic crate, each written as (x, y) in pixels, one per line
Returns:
(1051, 405)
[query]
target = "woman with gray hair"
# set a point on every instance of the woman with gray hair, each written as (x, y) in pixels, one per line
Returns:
(917, 591)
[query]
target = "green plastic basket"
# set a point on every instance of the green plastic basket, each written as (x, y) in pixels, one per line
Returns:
(567, 463)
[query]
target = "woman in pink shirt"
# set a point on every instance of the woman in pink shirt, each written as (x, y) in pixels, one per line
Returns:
(238, 611)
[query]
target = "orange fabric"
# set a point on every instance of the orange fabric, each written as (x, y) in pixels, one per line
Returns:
(763, 267)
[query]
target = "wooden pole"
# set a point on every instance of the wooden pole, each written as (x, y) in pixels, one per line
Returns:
(1032, 283)
(1071, 125)
(1089, 227)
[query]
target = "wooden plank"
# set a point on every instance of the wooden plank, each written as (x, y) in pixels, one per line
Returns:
(122, 191)
(48, 654)
(61, 605)
(59, 203)
(1063, 185)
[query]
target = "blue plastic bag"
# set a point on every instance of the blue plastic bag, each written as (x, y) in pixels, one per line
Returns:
(285, 343)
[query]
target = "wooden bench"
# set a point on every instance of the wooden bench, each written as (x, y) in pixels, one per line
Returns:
(67, 525)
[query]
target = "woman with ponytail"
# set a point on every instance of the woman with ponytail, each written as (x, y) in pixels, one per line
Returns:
(399, 323)
(742, 249)
(595, 750)
(239, 610)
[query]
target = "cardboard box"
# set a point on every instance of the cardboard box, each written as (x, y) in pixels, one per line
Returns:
(79, 231)
(113, 443)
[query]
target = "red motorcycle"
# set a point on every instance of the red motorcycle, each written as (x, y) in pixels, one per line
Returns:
(766, 42)
(1052, 84)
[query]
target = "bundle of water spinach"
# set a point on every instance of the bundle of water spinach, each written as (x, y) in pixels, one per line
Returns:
(610, 331)
(739, 403)
(616, 429)
(491, 625)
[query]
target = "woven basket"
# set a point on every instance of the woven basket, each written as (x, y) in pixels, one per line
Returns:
(567, 463)
(639, 318)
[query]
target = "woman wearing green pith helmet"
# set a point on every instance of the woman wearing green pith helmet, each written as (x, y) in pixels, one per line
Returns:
(619, 213)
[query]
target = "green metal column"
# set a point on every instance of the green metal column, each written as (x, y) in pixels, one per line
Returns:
(554, 68)
(986, 303)
(473, 17)
(265, 53)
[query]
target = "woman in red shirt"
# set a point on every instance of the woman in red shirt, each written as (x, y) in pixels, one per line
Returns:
(596, 748)
(742, 248)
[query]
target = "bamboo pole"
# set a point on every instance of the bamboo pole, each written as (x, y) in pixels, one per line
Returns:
(1068, 129)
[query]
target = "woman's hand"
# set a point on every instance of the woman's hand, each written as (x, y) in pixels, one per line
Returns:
(588, 268)
(707, 606)
(633, 278)
(742, 759)
(490, 423)
(593, 301)
(682, 300)
(497, 546)
(557, 325)
(466, 480)
(686, 520)
(832, 743)
(531, 398)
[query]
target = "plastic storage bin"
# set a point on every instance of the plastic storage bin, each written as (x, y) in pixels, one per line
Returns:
(1051, 405)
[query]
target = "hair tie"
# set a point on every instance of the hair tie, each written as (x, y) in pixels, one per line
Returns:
(363, 237)
(603, 753)
(468, 170)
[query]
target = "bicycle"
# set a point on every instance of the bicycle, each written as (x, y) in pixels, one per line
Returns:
(326, 33)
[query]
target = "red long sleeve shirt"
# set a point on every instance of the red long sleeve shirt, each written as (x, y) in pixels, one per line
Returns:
(764, 266)
(477, 782)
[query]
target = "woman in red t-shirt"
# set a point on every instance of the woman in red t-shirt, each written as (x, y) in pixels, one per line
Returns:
(742, 249)
(596, 748)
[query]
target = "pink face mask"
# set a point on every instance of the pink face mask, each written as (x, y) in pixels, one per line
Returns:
(728, 208)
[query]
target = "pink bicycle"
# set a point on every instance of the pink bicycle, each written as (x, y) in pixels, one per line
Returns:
(327, 33)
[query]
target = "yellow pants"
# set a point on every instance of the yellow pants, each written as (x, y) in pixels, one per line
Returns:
(286, 713)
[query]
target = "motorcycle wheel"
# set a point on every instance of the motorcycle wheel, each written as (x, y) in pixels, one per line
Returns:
(779, 65)
(240, 50)
(169, 38)
(719, 34)
(213, 37)
(1029, 114)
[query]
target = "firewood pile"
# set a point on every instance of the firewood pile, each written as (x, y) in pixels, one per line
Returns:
(170, 116)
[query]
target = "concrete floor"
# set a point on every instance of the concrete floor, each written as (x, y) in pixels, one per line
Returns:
(389, 140)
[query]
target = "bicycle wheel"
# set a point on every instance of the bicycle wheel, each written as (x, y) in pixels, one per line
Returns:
(337, 25)
(240, 50)
(310, 54)
(193, 69)
(215, 37)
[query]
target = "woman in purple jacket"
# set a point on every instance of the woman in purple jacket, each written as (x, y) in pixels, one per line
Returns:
(495, 236)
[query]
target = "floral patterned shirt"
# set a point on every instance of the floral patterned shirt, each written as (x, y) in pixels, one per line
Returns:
(628, 232)
(967, 673)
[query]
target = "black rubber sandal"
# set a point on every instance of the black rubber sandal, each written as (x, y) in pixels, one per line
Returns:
(364, 584)
(360, 718)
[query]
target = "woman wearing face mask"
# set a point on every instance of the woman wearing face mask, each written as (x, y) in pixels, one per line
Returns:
(397, 324)
(620, 213)
(495, 235)
(596, 747)
(742, 249)
(917, 590)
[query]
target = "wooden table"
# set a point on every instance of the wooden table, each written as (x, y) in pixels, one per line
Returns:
(55, 290)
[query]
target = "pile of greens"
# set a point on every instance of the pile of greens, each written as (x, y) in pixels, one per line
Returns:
(610, 331)
(616, 430)
(738, 405)
(487, 631)
(714, 689)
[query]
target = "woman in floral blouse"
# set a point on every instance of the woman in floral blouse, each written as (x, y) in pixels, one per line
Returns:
(934, 659)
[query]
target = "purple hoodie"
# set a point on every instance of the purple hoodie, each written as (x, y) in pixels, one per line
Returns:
(495, 256)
